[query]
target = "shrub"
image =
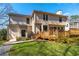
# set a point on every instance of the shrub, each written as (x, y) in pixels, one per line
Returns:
(22, 39)
(68, 40)
(3, 34)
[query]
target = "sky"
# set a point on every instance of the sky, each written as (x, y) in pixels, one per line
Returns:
(27, 8)
(66, 8)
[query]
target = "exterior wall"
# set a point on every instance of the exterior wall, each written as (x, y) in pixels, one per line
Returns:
(54, 19)
(23, 28)
(16, 24)
(29, 28)
(15, 31)
(18, 20)
(33, 22)
(38, 28)
(50, 18)
(19, 23)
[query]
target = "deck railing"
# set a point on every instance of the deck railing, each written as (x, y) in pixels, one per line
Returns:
(50, 22)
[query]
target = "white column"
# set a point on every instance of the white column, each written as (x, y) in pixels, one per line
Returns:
(77, 25)
(48, 27)
(42, 27)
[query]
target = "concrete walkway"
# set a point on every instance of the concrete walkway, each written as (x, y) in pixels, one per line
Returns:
(4, 50)
(16, 42)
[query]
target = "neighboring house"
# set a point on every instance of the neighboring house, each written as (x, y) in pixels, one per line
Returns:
(74, 23)
(22, 25)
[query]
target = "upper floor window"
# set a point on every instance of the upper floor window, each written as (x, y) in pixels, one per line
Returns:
(45, 17)
(60, 19)
(27, 20)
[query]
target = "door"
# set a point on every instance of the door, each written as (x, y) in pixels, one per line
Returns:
(45, 28)
(23, 33)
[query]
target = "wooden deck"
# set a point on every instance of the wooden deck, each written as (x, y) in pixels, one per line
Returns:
(51, 35)
(74, 32)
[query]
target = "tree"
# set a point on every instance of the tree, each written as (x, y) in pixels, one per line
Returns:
(5, 8)
(74, 16)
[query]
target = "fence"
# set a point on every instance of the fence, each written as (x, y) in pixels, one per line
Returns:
(57, 34)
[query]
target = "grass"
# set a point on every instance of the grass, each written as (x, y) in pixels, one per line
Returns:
(46, 48)
(1, 42)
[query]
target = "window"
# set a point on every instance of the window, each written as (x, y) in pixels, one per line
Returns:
(67, 25)
(60, 19)
(55, 28)
(23, 33)
(45, 17)
(75, 23)
(40, 27)
(28, 21)
(51, 28)
(45, 27)
(58, 28)
(61, 28)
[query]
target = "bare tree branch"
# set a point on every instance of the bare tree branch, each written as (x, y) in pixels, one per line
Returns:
(6, 8)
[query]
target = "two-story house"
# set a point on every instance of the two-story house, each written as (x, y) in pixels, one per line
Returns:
(21, 25)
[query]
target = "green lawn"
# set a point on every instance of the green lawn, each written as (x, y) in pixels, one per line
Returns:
(47, 48)
(1, 42)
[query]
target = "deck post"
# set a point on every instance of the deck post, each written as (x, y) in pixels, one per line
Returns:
(42, 27)
(48, 27)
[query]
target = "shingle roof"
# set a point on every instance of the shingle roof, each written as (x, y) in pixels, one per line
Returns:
(16, 14)
(35, 11)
